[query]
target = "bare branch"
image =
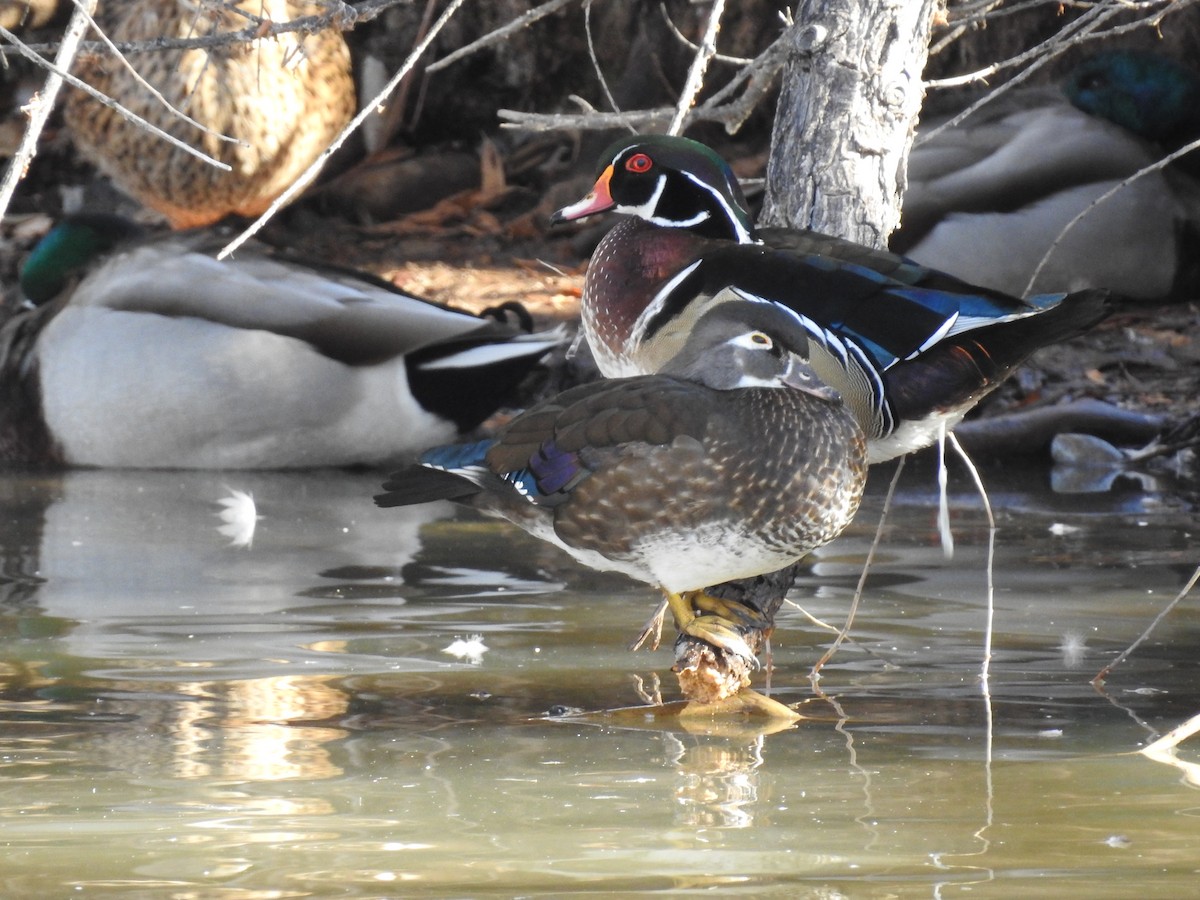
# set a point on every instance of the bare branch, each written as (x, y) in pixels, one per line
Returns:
(692, 45)
(1140, 173)
(41, 107)
(756, 77)
(341, 16)
(596, 67)
(695, 78)
(494, 37)
(151, 89)
(70, 79)
(367, 109)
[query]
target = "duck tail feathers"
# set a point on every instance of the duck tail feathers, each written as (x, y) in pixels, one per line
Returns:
(421, 484)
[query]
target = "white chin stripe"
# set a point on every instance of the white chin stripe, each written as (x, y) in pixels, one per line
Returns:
(646, 210)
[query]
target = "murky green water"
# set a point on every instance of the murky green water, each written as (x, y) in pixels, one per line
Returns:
(183, 717)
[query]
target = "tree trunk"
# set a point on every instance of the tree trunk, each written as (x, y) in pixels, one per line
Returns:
(847, 109)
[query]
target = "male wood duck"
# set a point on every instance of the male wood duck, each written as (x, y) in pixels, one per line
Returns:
(988, 198)
(734, 461)
(159, 356)
(284, 98)
(910, 349)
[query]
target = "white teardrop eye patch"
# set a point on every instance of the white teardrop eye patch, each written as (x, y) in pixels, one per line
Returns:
(754, 340)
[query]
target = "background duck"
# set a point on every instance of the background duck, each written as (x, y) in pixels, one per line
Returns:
(283, 97)
(910, 349)
(160, 356)
(735, 461)
(989, 197)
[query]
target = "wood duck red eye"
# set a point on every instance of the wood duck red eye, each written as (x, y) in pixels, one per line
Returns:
(639, 163)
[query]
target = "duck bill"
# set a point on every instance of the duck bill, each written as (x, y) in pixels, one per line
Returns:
(598, 200)
(802, 378)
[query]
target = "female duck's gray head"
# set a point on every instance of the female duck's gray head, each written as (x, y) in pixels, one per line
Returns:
(741, 344)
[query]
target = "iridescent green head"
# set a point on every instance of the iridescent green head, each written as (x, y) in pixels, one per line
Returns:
(70, 247)
(1149, 94)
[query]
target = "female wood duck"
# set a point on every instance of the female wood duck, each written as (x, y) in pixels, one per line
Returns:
(159, 356)
(988, 198)
(734, 461)
(910, 349)
(283, 98)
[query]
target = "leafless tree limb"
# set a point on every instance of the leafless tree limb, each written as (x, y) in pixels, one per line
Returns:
(151, 89)
(695, 78)
(499, 34)
(367, 109)
(754, 80)
(59, 72)
(341, 16)
(42, 107)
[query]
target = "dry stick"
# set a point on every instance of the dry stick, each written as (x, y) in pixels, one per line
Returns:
(395, 118)
(1163, 749)
(692, 45)
(695, 78)
(814, 673)
(600, 76)
(368, 109)
(342, 17)
(991, 559)
(943, 517)
(1087, 32)
(1077, 32)
(153, 91)
(1103, 673)
(496, 36)
(1154, 167)
(759, 76)
(70, 79)
(1072, 34)
(41, 108)
(985, 666)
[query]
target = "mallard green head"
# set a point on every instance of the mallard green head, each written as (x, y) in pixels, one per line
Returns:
(71, 246)
(1149, 94)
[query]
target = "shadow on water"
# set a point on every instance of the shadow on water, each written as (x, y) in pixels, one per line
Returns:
(335, 699)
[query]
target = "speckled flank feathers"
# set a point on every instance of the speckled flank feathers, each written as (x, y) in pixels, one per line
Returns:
(286, 97)
(734, 462)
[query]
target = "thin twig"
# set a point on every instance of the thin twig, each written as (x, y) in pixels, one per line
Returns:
(695, 77)
(692, 45)
(494, 37)
(70, 79)
(41, 107)
(813, 674)
(1104, 673)
(342, 16)
(595, 59)
(368, 109)
(151, 89)
(990, 619)
(1140, 173)
(943, 517)
(757, 78)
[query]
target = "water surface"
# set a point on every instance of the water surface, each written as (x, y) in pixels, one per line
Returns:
(185, 714)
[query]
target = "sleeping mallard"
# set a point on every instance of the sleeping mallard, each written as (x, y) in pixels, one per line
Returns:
(157, 355)
(988, 198)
